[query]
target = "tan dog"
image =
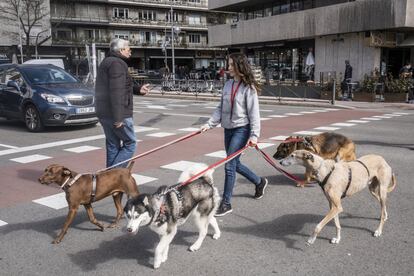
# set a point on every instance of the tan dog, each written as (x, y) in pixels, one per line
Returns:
(328, 145)
(79, 190)
(341, 179)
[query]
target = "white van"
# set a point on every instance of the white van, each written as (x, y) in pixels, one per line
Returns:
(55, 61)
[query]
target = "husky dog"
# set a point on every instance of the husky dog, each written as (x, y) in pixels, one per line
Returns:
(164, 210)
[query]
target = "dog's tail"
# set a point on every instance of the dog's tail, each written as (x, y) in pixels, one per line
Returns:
(130, 165)
(393, 183)
(208, 175)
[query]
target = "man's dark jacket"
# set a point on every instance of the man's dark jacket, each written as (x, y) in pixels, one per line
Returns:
(348, 72)
(114, 89)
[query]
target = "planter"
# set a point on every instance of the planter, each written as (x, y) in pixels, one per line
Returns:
(395, 97)
(361, 96)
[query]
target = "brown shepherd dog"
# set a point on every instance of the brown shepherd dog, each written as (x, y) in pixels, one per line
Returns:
(328, 145)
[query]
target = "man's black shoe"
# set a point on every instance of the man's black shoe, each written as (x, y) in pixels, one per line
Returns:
(223, 209)
(260, 189)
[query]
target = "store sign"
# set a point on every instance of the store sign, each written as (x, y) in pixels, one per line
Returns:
(383, 39)
(205, 54)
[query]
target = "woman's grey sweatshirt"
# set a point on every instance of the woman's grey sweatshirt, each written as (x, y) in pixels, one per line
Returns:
(245, 109)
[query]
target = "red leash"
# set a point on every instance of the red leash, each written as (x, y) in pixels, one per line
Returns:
(215, 165)
(273, 164)
(154, 150)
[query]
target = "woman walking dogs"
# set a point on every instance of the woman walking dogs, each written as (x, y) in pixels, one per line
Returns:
(238, 113)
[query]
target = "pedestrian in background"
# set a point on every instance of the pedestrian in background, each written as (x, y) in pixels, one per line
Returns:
(114, 103)
(347, 79)
(238, 113)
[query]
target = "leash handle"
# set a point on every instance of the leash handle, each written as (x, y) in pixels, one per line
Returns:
(273, 164)
(185, 137)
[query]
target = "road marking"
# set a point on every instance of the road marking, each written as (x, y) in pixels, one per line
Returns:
(218, 154)
(30, 158)
(279, 138)
(382, 117)
(57, 201)
(67, 142)
(186, 115)
(82, 149)
(308, 112)
(264, 145)
(307, 132)
(155, 107)
(8, 146)
(357, 121)
(327, 128)
(277, 116)
(142, 179)
(293, 114)
(265, 119)
(332, 109)
(211, 107)
(321, 110)
(371, 119)
(402, 113)
(177, 105)
(180, 165)
(393, 115)
(343, 124)
(266, 110)
(2, 222)
(160, 134)
(189, 129)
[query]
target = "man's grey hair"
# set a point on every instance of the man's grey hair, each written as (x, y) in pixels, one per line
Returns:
(117, 44)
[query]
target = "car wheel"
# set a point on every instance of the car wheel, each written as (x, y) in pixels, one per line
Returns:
(32, 119)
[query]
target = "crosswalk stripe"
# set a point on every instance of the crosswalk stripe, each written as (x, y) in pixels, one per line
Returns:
(8, 146)
(160, 134)
(308, 112)
(264, 145)
(293, 114)
(327, 128)
(180, 165)
(82, 149)
(2, 223)
(307, 132)
(357, 121)
(371, 119)
(30, 158)
(264, 119)
(343, 124)
(279, 138)
(393, 115)
(402, 113)
(142, 179)
(189, 129)
(277, 116)
(57, 201)
(218, 154)
(156, 107)
(321, 110)
(382, 117)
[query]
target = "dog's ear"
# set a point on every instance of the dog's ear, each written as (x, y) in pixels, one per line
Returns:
(309, 156)
(66, 171)
(145, 201)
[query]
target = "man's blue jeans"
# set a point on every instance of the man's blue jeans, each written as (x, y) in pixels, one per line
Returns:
(120, 142)
(234, 140)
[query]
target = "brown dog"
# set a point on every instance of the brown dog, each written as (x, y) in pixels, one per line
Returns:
(341, 179)
(79, 190)
(328, 145)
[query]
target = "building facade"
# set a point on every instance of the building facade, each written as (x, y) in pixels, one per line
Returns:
(287, 36)
(146, 24)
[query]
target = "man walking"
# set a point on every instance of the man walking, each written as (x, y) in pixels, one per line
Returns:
(114, 93)
(347, 79)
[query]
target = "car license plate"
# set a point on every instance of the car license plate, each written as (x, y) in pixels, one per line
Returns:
(82, 110)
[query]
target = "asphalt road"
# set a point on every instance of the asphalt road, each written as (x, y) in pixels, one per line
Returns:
(260, 237)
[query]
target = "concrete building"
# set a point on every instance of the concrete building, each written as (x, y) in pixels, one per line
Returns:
(279, 34)
(146, 24)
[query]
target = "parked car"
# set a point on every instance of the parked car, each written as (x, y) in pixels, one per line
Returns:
(44, 95)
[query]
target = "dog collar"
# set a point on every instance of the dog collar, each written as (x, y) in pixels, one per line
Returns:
(63, 186)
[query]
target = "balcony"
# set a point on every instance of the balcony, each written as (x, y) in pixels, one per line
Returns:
(80, 20)
(104, 42)
(156, 24)
(184, 5)
(349, 17)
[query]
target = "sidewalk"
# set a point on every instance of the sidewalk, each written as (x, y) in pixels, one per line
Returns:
(291, 101)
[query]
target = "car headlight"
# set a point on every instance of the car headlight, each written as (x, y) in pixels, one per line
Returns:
(52, 98)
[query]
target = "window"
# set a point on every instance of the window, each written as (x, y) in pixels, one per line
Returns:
(296, 6)
(122, 34)
(120, 13)
(148, 37)
(13, 75)
(194, 19)
(194, 38)
(285, 7)
(168, 16)
(194, 1)
(62, 34)
(147, 15)
(92, 34)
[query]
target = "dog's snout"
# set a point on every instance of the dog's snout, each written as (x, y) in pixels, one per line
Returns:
(129, 229)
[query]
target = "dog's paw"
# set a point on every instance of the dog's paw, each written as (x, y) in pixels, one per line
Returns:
(216, 236)
(377, 233)
(335, 240)
(157, 265)
(194, 248)
(56, 241)
(112, 225)
(311, 240)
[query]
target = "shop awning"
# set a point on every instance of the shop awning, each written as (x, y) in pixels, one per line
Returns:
(408, 42)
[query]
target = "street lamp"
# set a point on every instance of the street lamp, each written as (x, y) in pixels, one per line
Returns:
(174, 30)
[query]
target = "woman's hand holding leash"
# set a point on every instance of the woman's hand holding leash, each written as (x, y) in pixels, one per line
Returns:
(252, 142)
(205, 127)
